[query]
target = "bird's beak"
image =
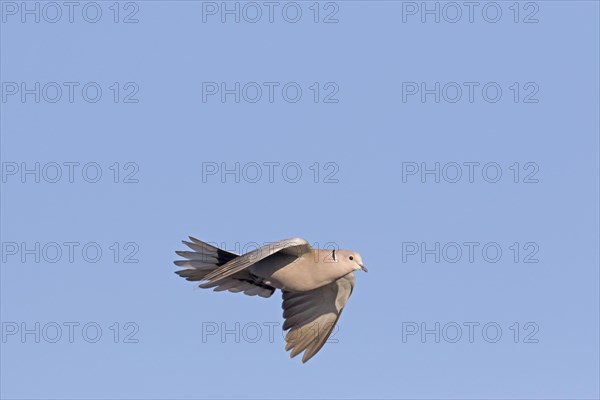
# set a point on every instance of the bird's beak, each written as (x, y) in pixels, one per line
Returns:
(363, 268)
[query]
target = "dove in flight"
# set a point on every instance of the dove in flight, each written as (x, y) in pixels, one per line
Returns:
(316, 284)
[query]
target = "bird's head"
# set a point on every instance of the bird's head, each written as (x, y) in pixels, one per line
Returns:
(350, 258)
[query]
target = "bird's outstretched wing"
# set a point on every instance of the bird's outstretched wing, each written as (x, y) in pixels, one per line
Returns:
(292, 247)
(206, 258)
(311, 316)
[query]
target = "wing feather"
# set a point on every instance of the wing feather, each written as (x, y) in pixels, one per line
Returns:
(206, 258)
(311, 316)
(295, 246)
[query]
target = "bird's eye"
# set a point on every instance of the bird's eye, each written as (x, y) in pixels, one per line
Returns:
(351, 258)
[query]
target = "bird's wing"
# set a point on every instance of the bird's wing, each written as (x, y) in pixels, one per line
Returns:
(311, 316)
(205, 258)
(204, 255)
(294, 247)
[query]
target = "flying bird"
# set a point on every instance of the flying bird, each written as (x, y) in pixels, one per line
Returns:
(315, 284)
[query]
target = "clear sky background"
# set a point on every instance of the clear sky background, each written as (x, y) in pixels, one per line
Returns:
(528, 318)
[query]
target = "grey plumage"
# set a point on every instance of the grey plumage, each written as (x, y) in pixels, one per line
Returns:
(316, 284)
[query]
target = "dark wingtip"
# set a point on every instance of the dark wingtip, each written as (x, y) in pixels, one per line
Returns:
(176, 261)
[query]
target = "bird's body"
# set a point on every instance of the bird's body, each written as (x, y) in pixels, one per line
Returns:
(282, 271)
(315, 283)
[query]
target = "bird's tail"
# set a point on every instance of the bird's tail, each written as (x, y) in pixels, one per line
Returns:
(204, 259)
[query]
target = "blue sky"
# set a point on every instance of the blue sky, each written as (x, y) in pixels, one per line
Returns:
(459, 157)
